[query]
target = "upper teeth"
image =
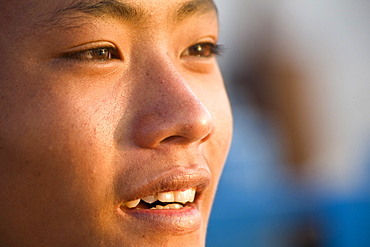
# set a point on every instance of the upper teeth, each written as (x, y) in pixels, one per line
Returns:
(171, 196)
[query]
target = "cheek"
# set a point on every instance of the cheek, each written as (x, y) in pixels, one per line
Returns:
(219, 143)
(55, 158)
(216, 100)
(216, 148)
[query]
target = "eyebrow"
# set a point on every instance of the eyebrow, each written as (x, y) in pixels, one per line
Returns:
(195, 7)
(123, 11)
(102, 8)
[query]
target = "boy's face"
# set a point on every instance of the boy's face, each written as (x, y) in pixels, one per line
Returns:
(105, 102)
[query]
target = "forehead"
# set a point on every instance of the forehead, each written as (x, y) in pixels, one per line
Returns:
(52, 13)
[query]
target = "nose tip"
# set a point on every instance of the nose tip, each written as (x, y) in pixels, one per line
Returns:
(190, 131)
(175, 123)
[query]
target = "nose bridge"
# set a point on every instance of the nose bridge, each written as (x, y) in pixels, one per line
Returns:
(171, 111)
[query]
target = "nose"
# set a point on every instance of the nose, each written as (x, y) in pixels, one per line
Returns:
(168, 110)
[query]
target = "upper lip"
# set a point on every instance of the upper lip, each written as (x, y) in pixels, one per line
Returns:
(177, 179)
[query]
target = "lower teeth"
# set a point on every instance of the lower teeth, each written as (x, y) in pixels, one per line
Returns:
(169, 206)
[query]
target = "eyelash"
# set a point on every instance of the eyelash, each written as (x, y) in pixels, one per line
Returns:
(204, 50)
(99, 53)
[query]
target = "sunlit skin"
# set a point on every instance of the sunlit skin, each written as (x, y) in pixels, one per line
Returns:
(105, 102)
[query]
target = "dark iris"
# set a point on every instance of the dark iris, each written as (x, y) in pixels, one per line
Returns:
(201, 50)
(103, 53)
(204, 50)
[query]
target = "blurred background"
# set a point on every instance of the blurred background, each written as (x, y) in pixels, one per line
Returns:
(298, 173)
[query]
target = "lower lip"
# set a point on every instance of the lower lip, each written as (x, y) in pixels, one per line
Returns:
(172, 221)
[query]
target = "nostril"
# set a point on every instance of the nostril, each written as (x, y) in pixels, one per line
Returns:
(172, 132)
(188, 133)
(172, 138)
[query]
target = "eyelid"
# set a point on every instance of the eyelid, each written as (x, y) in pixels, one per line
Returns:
(215, 49)
(80, 49)
(89, 46)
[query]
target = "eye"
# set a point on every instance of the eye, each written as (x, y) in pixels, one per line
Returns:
(100, 54)
(203, 50)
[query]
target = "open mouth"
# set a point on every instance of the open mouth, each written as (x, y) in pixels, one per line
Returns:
(163, 200)
(168, 212)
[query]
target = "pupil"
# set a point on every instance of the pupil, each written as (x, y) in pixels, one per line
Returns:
(197, 50)
(103, 53)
